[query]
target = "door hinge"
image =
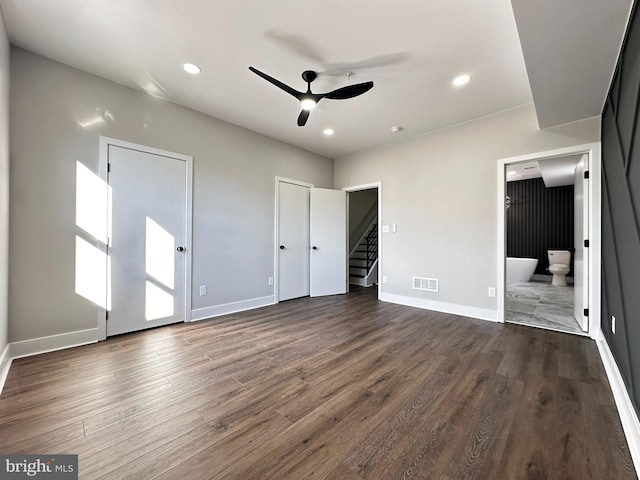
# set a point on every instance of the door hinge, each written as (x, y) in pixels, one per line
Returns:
(106, 316)
(586, 174)
(586, 243)
(108, 167)
(586, 312)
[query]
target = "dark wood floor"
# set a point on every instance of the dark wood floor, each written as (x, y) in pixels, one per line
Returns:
(343, 388)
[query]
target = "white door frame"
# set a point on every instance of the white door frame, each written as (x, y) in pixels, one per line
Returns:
(356, 188)
(594, 207)
(276, 232)
(105, 142)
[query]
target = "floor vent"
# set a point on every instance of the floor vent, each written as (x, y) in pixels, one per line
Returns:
(428, 284)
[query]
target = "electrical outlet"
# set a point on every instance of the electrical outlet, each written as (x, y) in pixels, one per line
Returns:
(203, 290)
(384, 279)
(492, 291)
(613, 324)
(270, 281)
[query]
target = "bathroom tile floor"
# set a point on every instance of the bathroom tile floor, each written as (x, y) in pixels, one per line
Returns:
(541, 304)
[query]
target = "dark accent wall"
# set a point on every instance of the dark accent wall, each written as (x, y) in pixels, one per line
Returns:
(539, 219)
(621, 212)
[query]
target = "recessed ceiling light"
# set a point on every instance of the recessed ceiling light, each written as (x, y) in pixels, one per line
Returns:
(396, 129)
(191, 68)
(511, 173)
(461, 80)
(328, 132)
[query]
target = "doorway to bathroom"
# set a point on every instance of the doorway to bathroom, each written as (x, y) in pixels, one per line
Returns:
(548, 222)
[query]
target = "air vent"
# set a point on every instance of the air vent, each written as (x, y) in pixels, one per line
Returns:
(427, 284)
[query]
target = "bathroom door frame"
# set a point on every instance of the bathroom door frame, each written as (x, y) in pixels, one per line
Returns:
(594, 211)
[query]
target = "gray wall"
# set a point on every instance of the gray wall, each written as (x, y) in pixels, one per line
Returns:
(621, 213)
(360, 204)
(440, 189)
(4, 182)
(234, 181)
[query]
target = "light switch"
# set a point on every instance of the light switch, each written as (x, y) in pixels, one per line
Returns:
(395, 228)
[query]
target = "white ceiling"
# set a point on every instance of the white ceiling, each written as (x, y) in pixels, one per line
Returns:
(410, 49)
(571, 48)
(555, 172)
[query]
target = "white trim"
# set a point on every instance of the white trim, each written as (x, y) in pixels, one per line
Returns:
(369, 186)
(628, 416)
(105, 142)
(36, 346)
(276, 230)
(143, 148)
(452, 308)
(593, 150)
(5, 365)
(233, 307)
(188, 237)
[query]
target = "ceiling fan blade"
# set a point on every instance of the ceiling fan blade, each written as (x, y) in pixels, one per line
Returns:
(297, 44)
(380, 61)
(277, 83)
(302, 118)
(349, 91)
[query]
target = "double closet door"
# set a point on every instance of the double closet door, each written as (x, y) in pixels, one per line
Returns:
(311, 246)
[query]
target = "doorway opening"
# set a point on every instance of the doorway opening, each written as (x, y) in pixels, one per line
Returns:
(548, 239)
(364, 240)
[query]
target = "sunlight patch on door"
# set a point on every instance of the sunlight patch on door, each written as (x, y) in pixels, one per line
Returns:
(159, 304)
(93, 270)
(159, 253)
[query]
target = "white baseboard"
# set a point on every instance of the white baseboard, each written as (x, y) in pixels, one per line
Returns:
(35, 346)
(5, 364)
(463, 310)
(233, 307)
(626, 411)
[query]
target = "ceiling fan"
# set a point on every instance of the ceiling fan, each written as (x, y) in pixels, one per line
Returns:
(308, 100)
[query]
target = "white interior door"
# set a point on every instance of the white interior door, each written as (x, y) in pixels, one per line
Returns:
(581, 232)
(293, 241)
(328, 227)
(147, 241)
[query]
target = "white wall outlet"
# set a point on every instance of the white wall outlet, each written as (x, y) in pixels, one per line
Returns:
(613, 324)
(384, 279)
(492, 291)
(270, 281)
(203, 290)
(385, 228)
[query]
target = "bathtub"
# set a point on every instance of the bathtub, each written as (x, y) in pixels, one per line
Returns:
(520, 269)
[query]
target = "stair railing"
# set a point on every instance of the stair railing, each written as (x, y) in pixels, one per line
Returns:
(371, 242)
(373, 221)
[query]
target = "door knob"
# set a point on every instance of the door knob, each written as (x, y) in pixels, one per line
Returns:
(314, 247)
(281, 247)
(180, 248)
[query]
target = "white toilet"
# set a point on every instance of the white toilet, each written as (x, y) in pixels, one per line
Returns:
(559, 261)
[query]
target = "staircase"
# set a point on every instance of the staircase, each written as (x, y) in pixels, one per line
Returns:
(363, 261)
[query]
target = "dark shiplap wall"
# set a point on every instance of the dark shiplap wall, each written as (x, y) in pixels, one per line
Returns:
(621, 212)
(539, 219)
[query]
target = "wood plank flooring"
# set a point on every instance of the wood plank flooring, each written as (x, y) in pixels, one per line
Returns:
(344, 388)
